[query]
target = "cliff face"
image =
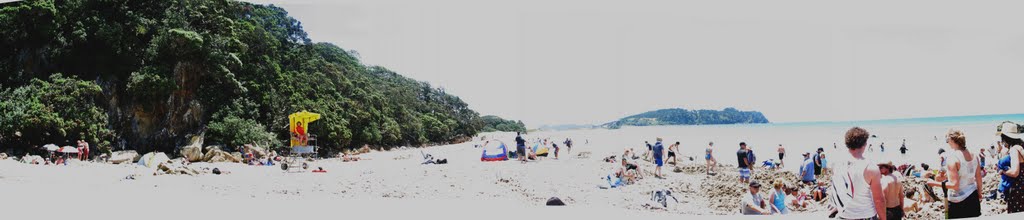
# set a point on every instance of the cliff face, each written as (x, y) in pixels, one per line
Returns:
(159, 125)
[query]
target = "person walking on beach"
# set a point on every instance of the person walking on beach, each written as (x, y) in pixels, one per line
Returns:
(753, 203)
(672, 149)
(709, 160)
(807, 171)
(893, 191)
(568, 146)
(520, 147)
(1012, 172)
(658, 152)
(743, 163)
(963, 180)
(782, 154)
(858, 186)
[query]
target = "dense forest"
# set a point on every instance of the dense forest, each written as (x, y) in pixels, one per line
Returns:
(678, 116)
(150, 75)
(495, 123)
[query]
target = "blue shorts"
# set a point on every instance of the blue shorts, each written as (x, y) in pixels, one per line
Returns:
(657, 160)
(744, 173)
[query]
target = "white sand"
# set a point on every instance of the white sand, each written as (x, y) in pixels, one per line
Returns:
(388, 185)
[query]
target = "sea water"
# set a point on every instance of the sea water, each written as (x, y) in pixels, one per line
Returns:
(923, 137)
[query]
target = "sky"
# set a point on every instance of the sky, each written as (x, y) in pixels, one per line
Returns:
(591, 62)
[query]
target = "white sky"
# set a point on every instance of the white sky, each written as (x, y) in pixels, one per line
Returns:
(591, 62)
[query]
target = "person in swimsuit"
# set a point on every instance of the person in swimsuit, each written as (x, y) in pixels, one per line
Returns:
(630, 170)
(782, 154)
(709, 160)
(893, 190)
(672, 149)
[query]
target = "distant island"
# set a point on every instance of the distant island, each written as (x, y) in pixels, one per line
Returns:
(679, 116)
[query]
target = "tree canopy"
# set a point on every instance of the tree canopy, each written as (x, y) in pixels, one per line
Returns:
(495, 123)
(148, 75)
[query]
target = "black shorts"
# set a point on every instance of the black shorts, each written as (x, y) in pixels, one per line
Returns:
(781, 155)
(895, 213)
(521, 150)
(970, 207)
(671, 154)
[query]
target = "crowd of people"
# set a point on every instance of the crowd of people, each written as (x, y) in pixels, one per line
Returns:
(863, 188)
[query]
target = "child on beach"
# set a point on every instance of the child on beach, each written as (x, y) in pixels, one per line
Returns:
(672, 149)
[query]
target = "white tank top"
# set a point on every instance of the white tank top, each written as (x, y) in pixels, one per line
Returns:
(968, 183)
(854, 192)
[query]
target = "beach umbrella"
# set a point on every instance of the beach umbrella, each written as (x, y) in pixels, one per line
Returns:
(68, 149)
(51, 147)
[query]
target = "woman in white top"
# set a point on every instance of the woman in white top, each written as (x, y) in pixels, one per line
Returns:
(964, 177)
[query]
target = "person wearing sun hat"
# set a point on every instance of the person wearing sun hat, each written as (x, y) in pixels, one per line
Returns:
(892, 191)
(1010, 165)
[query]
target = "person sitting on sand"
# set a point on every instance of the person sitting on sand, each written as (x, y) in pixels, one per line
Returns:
(777, 197)
(910, 204)
(347, 158)
(753, 203)
(630, 170)
(796, 199)
(819, 192)
(807, 171)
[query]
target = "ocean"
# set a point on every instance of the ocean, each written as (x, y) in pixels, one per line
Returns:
(923, 138)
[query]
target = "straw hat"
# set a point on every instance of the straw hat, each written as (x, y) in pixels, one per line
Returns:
(887, 164)
(1010, 129)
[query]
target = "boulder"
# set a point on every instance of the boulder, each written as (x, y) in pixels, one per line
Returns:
(221, 156)
(124, 156)
(194, 151)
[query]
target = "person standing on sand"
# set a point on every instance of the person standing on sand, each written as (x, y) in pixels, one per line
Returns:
(858, 186)
(751, 158)
(709, 160)
(753, 203)
(743, 163)
(963, 181)
(893, 191)
(1012, 173)
(672, 149)
(782, 154)
(520, 147)
(658, 152)
(817, 161)
(568, 146)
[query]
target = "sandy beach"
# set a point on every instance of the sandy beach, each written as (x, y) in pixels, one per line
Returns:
(395, 184)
